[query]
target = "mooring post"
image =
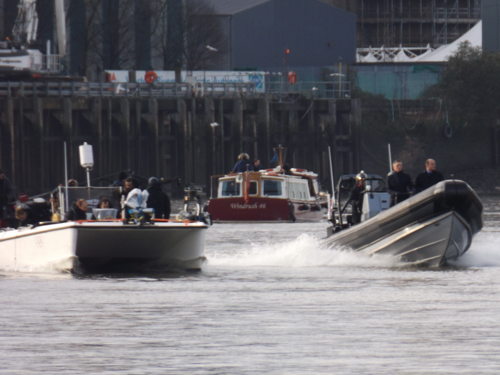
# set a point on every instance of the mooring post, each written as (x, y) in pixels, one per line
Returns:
(9, 112)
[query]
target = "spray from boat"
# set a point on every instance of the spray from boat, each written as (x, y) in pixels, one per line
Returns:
(303, 251)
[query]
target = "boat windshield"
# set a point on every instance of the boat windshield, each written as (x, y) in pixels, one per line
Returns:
(92, 195)
(272, 187)
(375, 184)
(230, 188)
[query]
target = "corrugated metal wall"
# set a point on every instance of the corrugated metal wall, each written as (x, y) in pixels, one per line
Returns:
(491, 25)
(315, 33)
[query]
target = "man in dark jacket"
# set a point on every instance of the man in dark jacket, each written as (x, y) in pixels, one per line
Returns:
(79, 210)
(430, 177)
(356, 196)
(398, 183)
(5, 193)
(157, 199)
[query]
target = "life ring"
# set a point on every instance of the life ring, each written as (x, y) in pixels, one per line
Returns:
(150, 76)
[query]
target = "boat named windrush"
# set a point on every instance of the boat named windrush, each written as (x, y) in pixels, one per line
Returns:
(428, 229)
(270, 195)
(103, 243)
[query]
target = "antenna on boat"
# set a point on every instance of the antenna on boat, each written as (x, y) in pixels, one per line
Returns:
(281, 159)
(390, 157)
(86, 159)
(66, 206)
(330, 203)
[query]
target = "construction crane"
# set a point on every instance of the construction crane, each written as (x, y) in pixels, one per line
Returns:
(18, 58)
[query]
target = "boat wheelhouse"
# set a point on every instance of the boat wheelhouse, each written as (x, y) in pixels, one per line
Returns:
(270, 195)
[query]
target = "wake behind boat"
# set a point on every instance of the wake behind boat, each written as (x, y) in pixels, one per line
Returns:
(428, 229)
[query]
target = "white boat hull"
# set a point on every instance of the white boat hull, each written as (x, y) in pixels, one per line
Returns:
(431, 243)
(96, 246)
(428, 229)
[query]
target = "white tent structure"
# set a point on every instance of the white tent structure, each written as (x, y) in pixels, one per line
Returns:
(401, 56)
(474, 36)
(425, 54)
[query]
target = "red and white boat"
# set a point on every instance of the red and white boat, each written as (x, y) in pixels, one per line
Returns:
(270, 195)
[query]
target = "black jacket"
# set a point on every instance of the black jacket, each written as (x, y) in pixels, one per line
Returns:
(399, 185)
(5, 192)
(427, 179)
(159, 201)
(399, 182)
(243, 165)
(76, 214)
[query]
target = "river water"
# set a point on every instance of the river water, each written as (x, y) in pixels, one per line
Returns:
(270, 300)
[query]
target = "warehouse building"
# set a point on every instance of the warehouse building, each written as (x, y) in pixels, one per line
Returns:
(266, 34)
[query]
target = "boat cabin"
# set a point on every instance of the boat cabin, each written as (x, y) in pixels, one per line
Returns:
(269, 184)
(267, 195)
(373, 199)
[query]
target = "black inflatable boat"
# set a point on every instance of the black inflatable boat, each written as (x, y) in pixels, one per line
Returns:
(427, 229)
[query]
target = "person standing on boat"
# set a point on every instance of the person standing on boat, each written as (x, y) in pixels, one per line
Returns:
(430, 177)
(243, 164)
(129, 184)
(122, 176)
(399, 183)
(157, 199)
(6, 195)
(356, 197)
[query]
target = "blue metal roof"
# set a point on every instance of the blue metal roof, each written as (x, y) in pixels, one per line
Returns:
(229, 7)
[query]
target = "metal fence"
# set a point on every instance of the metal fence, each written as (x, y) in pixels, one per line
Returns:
(97, 89)
(313, 89)
(319, 89)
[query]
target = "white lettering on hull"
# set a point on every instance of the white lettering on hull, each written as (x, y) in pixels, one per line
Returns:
(255, 206)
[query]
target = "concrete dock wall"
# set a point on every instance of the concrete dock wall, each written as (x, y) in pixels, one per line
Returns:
(192, 138)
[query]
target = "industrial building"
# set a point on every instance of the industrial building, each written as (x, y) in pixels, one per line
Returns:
(491, 25)
(266, 34)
